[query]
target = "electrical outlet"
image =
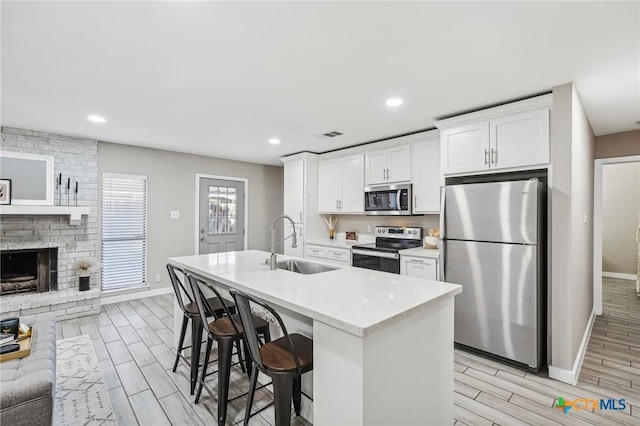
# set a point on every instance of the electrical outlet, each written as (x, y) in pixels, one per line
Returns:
(158, 278)
(175, 214)
(369, 228)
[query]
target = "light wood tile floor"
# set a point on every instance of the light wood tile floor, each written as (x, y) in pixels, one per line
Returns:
(133, 343)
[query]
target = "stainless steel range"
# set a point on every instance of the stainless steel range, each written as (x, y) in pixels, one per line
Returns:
(383, 254)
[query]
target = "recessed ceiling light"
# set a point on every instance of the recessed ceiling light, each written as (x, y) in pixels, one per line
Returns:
(97, 119)
(394, 102)
(274, 141)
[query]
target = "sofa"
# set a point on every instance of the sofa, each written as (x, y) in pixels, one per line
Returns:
(27, 385)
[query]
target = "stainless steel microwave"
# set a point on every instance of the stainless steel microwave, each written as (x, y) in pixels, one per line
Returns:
(387, 200)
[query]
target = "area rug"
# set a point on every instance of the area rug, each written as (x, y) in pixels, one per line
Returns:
(81, 396)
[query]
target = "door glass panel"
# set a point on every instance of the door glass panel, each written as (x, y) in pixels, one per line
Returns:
(222, 210)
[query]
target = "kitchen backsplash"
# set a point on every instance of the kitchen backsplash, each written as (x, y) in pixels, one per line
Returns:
(359, 223)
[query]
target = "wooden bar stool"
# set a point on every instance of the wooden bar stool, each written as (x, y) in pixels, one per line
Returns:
(190, 313)
(285, 360)
(226, 330)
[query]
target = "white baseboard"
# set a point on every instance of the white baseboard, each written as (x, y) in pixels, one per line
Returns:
(123, 297)
(619, 275)
(571, 376)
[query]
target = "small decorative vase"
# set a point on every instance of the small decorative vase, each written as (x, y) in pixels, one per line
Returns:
(331, 232)
(84, 283)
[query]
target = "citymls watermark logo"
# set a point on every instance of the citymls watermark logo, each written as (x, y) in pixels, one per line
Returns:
(590, 404)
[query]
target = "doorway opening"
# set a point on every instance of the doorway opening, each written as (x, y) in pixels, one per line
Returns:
(616, 220)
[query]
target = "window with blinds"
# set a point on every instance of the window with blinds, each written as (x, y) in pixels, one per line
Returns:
(124, 231)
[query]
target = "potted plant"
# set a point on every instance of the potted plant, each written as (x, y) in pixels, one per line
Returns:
(83, 266)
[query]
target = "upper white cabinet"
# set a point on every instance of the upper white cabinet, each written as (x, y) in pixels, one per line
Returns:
(301, 196)
(340, 185)
(510, 136)
(388, 165)
(519, 139)
(294, 190)
(425, 176)
(466, 148)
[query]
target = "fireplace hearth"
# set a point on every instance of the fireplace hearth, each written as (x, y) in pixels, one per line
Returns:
(28, 271)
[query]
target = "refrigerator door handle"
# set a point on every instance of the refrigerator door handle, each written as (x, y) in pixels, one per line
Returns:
(442, 260)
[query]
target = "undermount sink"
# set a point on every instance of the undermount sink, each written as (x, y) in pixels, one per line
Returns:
(302, 267)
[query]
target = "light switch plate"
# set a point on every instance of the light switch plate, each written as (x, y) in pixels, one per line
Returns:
(175, 214)
(158, 278)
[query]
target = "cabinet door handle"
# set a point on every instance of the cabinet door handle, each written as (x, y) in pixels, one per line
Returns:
(340, 204)
(486, 157)
(300, 216)
(495, 159)
(336, 204)
(388, 174)
(493, 152)
(384, 174)
(415, 202)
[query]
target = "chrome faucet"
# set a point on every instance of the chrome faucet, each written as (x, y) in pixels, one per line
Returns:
(294, 239)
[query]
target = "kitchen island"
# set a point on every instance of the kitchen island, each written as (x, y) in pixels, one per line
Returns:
(383, 343)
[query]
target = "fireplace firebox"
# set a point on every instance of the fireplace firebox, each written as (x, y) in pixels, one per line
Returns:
(28, 271)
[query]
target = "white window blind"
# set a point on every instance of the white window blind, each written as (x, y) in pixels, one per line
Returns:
(124, 231)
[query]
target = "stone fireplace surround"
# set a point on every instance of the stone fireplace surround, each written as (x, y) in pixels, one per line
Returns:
(76, 158)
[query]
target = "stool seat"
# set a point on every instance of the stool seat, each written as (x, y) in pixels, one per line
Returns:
(224, 328)
(277, 357)
(214, 302)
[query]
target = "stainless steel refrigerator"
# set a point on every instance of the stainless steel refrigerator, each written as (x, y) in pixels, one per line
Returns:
(493, 244)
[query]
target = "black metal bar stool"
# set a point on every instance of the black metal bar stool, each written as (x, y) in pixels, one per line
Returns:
(285, 360)
(226, 330)
(190, 313)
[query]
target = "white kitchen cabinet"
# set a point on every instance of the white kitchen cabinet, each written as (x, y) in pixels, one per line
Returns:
(340, 185)
(465, 149)
(425, 176)
(389, 165)
(294, 190)
(519, 139)
(514, 135)
(419, 267)
(334, 255)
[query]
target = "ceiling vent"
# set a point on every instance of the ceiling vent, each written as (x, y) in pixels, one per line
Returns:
(332, 134)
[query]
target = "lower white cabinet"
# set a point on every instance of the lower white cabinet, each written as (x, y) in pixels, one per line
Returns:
(334, 255)
(419, 267)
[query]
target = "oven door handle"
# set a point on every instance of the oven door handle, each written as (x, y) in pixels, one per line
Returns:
(375, 253)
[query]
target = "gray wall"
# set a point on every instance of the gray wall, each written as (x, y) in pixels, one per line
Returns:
(171, 186)
(571, 241)
(620, 207)
(618, 144)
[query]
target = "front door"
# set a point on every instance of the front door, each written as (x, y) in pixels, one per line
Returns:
(221, 215)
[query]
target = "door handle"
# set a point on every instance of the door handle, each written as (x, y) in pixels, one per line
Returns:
(201, 238)
(486, 157)
(300, 216)
(388, 174)
(415, 202)
(493, 153)
(202, 231)
(495, 159)
(336, 204)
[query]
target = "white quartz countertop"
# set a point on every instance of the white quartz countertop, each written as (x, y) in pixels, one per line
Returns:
(356, 300)
(421, 252)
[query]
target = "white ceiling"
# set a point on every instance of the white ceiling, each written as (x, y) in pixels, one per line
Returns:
(220, 79)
